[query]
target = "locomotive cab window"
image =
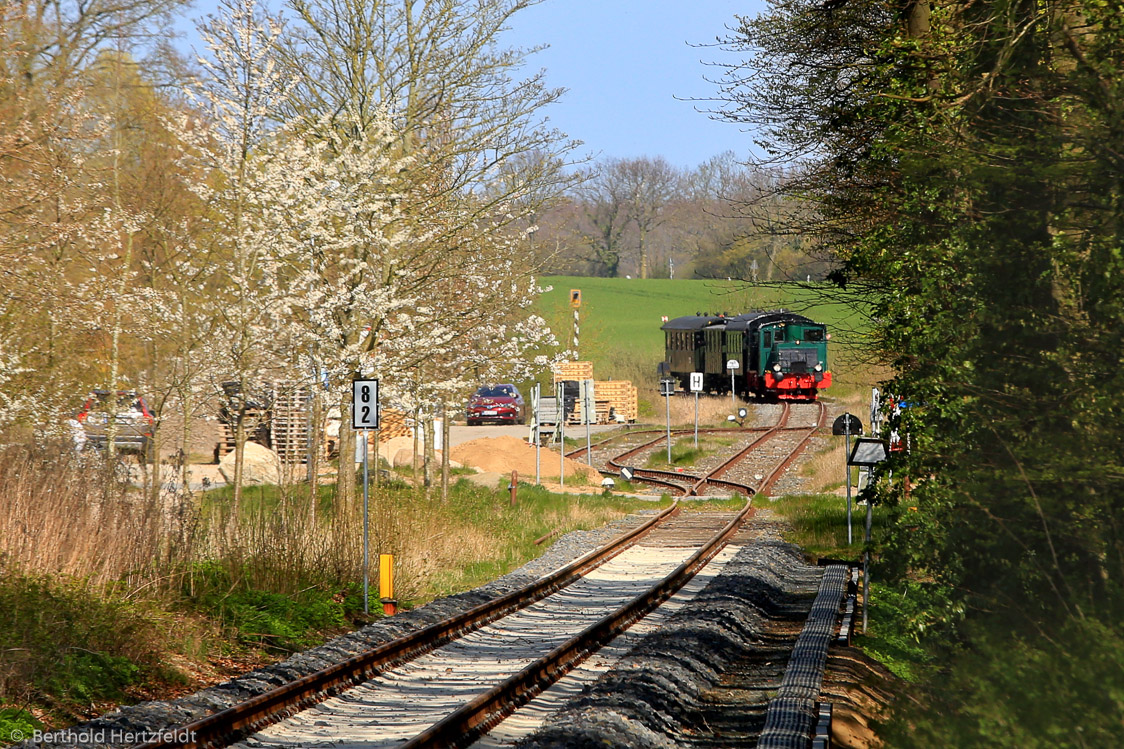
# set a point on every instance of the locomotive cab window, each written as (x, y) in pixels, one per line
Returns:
(813, 334)
(767, 339)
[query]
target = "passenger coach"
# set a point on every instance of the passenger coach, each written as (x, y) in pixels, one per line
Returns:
(780, 354)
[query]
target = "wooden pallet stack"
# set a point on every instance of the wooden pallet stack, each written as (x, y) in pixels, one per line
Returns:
(573, 370)
(394, 424)
(254, 418)
(618, 396)
(288, 429)
(612, 398)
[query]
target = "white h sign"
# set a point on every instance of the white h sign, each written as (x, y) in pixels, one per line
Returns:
(696, 382)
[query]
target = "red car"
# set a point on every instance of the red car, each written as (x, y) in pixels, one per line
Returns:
(499, 403)
(134, 422)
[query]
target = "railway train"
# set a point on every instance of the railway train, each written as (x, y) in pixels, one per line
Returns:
(780, 355)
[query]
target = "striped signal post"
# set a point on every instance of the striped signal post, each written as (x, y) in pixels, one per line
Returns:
(576, 303)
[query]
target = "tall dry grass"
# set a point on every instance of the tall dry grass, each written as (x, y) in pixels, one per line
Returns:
(68, 513)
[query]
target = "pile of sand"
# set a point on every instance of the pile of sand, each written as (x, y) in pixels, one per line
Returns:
(506, 454)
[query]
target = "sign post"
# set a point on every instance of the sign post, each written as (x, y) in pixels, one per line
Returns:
(535, 395)
(733, 366)
(868, 453)
(846, 425)
(560, 391)
(575, 304)
(364, 417)
(667, 388)
(588, 407)
(696, 388)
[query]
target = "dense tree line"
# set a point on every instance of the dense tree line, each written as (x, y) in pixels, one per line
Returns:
(965, 161)
(644, 218)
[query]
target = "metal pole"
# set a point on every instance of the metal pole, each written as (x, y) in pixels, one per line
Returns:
(366, 536)
(588, 405)
(866, 558)
(696, 419)
(668, 398)
(562, 435)
(733, 402)
(847, 437)
(538, 437)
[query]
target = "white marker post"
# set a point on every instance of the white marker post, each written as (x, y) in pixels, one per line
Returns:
(696, 388)
(364, 417)
(535, 395)
(733, 366)
(667, 388)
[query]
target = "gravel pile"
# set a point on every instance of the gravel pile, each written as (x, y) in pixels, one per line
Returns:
(702, 679)
(112, 729)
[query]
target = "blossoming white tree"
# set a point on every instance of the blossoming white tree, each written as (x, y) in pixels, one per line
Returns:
(239, 93)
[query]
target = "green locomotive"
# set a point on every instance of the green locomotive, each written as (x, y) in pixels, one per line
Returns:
(779, 354)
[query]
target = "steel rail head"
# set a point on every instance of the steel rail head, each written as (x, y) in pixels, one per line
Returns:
(227, 725)
(476, 717)
(782, 422)
(767, 484)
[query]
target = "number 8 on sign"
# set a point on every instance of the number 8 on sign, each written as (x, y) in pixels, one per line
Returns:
(365, 404)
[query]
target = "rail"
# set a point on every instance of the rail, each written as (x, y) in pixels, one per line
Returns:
(230, 724)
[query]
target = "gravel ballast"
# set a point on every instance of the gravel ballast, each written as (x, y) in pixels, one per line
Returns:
(703, 679)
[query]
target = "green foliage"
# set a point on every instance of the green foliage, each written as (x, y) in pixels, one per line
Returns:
(819, 524)
(69, 643)
(683, 453)
(900, 617)
(18, 721)
(269, 619)
(86, 676)
(1026, 691)
(969, 178)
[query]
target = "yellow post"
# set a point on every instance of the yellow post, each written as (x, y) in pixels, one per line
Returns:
(386, 584)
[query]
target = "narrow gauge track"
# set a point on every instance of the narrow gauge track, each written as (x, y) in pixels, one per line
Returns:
(450, 682)
(756, 465)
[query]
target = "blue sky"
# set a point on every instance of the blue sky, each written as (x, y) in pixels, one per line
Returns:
(624, 62)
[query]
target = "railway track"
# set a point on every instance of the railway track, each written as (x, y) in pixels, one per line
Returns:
(761, 454)
(453, 680)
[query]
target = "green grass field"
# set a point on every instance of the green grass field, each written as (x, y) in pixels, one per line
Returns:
(620, 318)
